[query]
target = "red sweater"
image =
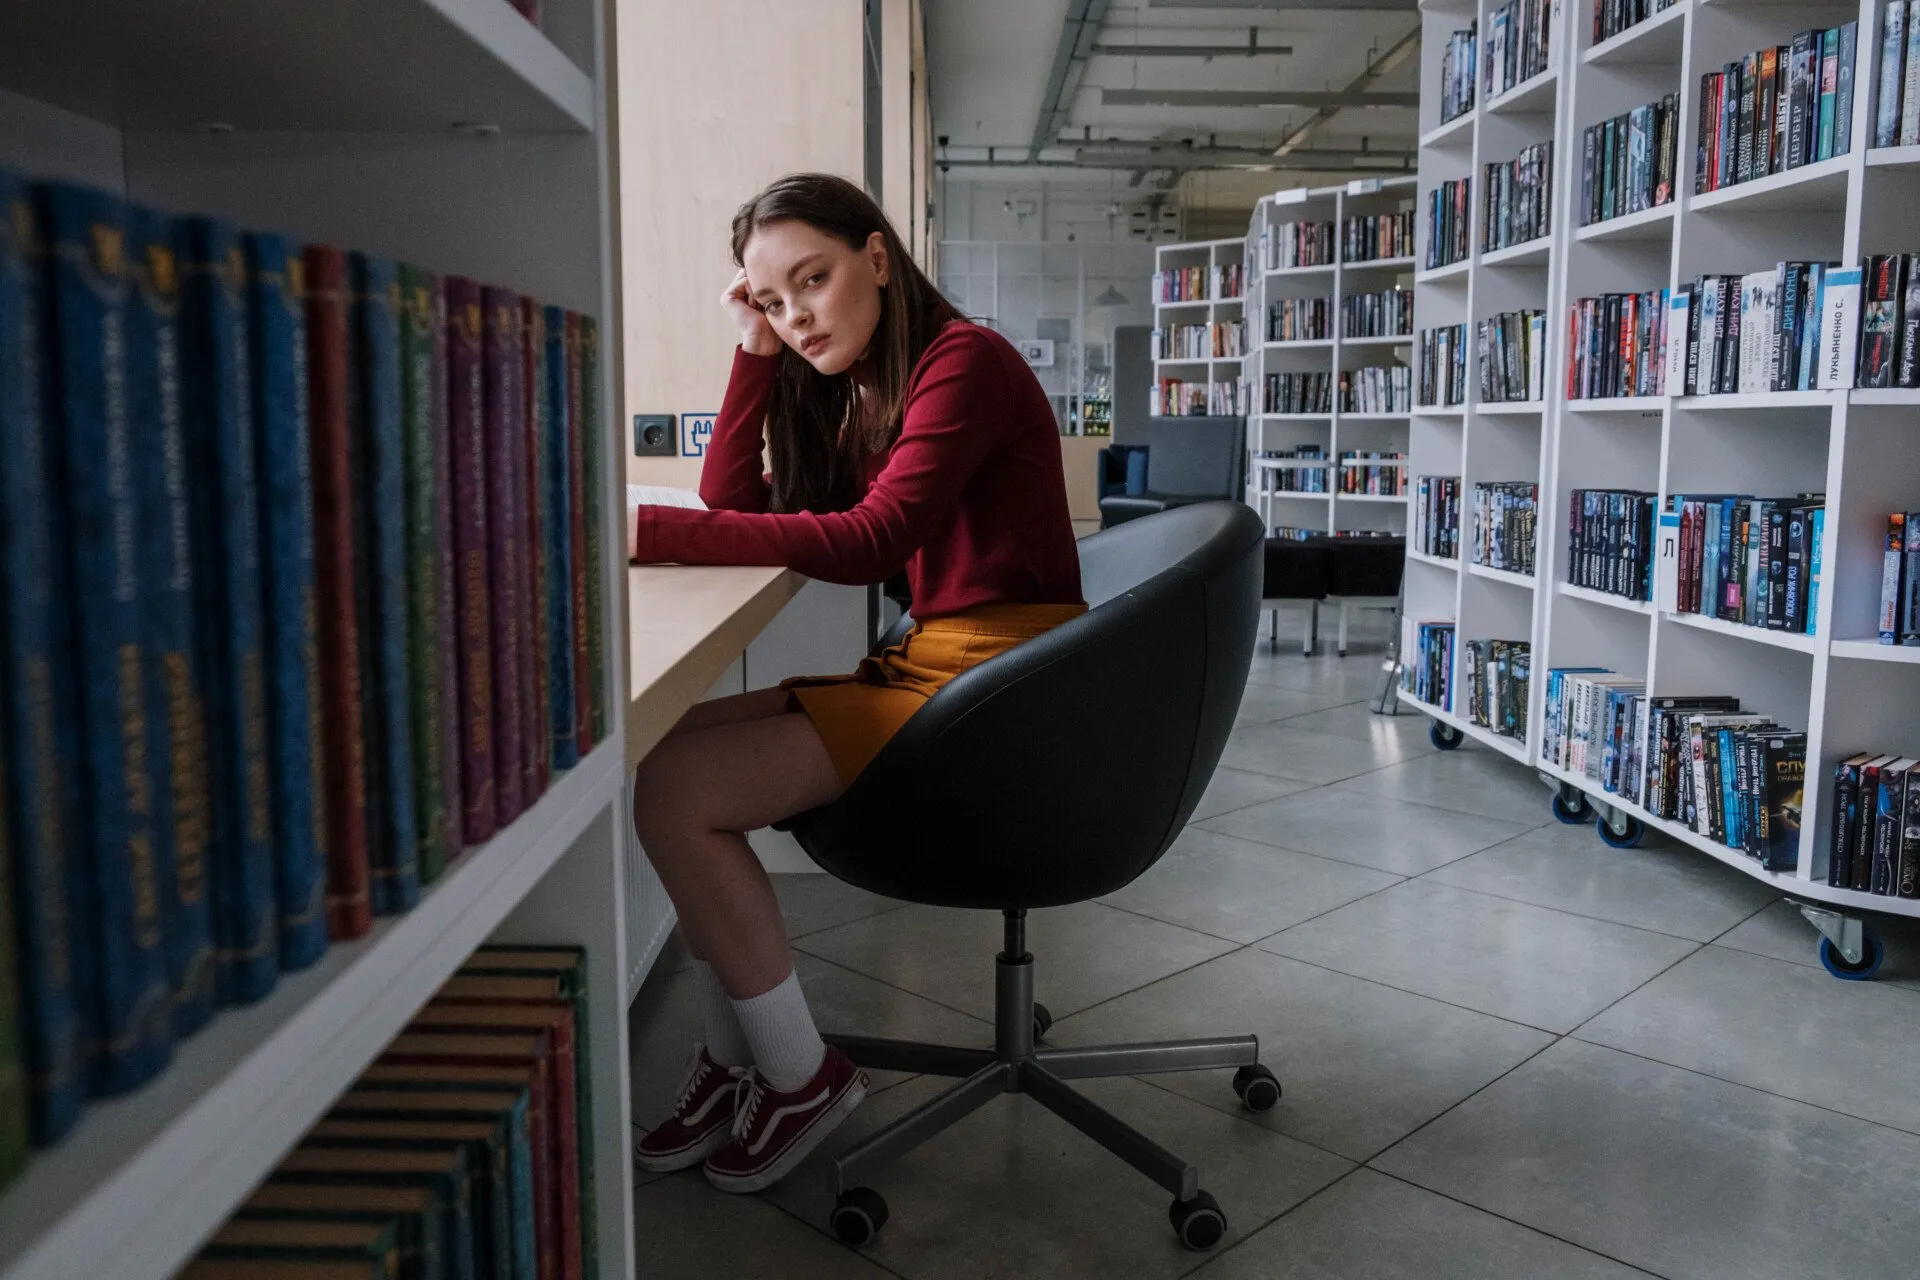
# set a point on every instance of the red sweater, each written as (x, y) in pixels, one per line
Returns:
(971, 499)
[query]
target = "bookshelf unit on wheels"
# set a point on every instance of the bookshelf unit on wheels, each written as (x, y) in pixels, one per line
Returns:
(459, 136)
(1836, 682)
(1195, 314)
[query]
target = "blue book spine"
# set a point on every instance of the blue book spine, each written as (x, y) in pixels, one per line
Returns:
(176, 709)
(116, 830)
(1816, 534)
(36, 677)
(566, 751)
(1729, 791)
(289, 596)
(376, 305)
(226, 587)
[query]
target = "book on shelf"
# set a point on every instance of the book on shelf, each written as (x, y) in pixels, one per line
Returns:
(1436, 516)
(1297, 393)
(1177, 397)
(1299, 319)
(1899, 622)
(1443, 366)
(1448, 222)
(1288, 245)
(1874, 837)
(1377, 389)
(1757, 333)
(1426, 667)
(1198, 341)
(1458, 74)
(1610, 542)
(1611, 17)
(1627, 162)
(1367, 472)
(1301, 479)
(1522, 41)
(410, 1213)
(1512, 353)
(1517, 198)
(1504, 514)
(1776, 109)
(1749, 560)
(1372, 237)
(1617, 346)
(1386, 314)
(1495, 676)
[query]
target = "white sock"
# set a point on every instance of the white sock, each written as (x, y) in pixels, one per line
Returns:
(726, 1042)
(787, 1048)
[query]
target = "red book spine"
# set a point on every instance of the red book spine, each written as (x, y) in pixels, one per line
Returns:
(454, 837)
(577, 538)
(349, 907)
(506, 550)
(467, 459)
(533, 364)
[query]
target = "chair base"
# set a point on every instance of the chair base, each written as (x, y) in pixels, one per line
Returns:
(1016, 1065)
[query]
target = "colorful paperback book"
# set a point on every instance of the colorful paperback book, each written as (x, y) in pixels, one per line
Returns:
(176, 708)
(1839, 327)
(1893, 45)
(1816, 561)
(418, 396)
(86, 235)
(290, 598)
(1907, 879)
(1893, 578)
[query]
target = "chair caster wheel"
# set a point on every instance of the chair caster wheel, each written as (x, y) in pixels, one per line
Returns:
(1572, 811)
(1626, 839)
(1443, 736)
(1198, 1222)
(1042, 1021)
(858, 1216)
(1259, 1088)
(1840, 967)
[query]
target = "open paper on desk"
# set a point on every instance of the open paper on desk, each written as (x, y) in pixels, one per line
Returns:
(655, 495)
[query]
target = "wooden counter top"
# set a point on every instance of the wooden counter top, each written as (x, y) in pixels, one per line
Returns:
(685, 624)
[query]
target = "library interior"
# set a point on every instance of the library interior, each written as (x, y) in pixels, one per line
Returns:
(894, 638)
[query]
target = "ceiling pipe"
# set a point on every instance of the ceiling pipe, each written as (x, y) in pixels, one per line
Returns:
(1075, 45)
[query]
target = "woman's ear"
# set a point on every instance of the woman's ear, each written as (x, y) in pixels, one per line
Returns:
(877, 254)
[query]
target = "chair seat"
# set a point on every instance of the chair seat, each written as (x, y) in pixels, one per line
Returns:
(1121, 507)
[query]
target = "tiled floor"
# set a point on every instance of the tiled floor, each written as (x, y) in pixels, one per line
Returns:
(1508, 1051)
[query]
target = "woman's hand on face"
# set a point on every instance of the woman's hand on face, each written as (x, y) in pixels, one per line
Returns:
(757, 337)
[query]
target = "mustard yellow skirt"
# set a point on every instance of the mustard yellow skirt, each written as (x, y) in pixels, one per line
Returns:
(856, 714)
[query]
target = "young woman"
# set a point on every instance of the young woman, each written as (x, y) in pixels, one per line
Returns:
(900, 436)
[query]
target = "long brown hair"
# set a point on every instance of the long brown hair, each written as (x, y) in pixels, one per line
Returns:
(817, 430)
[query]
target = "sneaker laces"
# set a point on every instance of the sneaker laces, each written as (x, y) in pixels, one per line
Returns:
(746, 1103)
(699, 1067)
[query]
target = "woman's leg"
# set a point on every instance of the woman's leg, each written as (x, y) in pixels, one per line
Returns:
(757, 705)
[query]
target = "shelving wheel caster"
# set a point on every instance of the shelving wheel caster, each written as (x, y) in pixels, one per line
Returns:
(1618, 829)
(1200, 1223)
(1258, 1087)
(1042, 1020)
(1850, 950)
(1443, 736)
(858, 1216)
(1570, 806)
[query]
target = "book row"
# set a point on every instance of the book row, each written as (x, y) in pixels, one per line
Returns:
(1518, 195)
(1504, 516)
(1387, 314)
(1457, 74)
(1627, 161)
(1301, 479)
(1436, 516)
(1776, 109)
(1288, 245)
(1198, 341)
(302, 592)
(1377, 389)
(1199, 284)
(1443, 366)
(1372, 237)
(1611, 17)
(1754, 333)
(1299, 319)
(1177, 397)
(1896, 112)
(1373, 472)
(1610, 541)
(1298, 393)
(1512, 349)
(1522, 42)
(1495, 681)
(1617, 346)
(1875, 839)
(1448, 223)
(1426, 663)
(464, 1152)
(1900, 580)
(1738, 558)
(1889, 343)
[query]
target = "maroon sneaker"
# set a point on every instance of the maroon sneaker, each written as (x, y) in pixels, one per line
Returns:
(774, 1131)
(702, 1121)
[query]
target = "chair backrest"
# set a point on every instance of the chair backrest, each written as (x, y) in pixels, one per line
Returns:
(1061, 770)
(1196, 457)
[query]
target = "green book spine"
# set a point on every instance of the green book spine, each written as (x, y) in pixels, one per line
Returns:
(423, 568)
(596, 464)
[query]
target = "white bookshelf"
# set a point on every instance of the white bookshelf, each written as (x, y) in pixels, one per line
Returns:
(1210, 310)
(455, 135)
(1859, 447)
(1334, 431)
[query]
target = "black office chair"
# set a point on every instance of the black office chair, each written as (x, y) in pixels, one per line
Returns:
(1052, 774)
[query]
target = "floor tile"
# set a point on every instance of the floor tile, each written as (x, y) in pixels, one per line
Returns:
(1785, 1028)
(1371, 1227)
(1510, 959)
(1236, 789)
(1781, 932)
(1286, 752)
(1011, 1191)
(811, 902)
(1085, 953)
(1354, 677)
(1472, 779)
(1242, 890)
(1263, 702)
(1360, 1065)
(688, 1230)
(1675, 1172)
(1663, 885)
(1388, 835)
(1357, 720)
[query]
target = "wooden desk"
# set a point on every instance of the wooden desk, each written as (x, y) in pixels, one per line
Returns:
(685, 624)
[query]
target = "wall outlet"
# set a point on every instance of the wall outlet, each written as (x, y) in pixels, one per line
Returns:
(654, 436)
